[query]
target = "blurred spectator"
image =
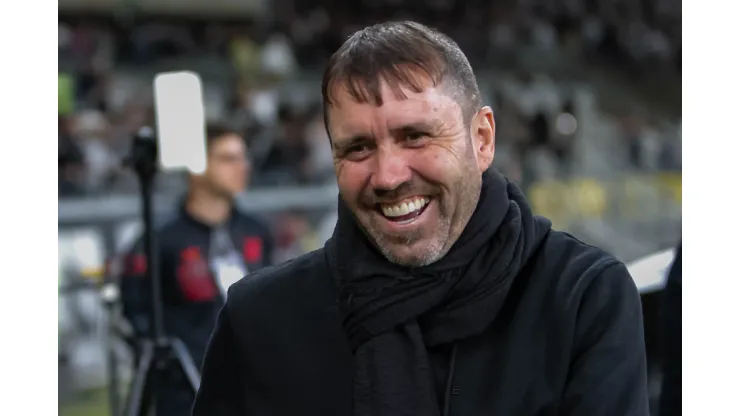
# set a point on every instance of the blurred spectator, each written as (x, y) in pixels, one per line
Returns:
(540, 129)
(631, 127)
(287, 159)
(502, 41)
(245, 56)
(320, 161)
(93, 131)
(566, 127)
(71, 162)
(66, 94)
(669, 157)
(264, 59)
(277, 56)
(592, 32)
(543, 35)
(650, 142)
(263, 102)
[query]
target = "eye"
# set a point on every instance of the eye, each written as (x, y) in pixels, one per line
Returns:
(357, 152)
(416, 135)
(357, 149)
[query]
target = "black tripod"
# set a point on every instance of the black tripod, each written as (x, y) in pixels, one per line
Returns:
(158, 354)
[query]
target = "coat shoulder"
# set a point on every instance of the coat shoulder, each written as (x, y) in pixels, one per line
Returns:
(573, 266)
(281, 286)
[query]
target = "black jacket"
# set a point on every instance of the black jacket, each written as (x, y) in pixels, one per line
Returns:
(568, 341)
(190, 294)
(670, 396)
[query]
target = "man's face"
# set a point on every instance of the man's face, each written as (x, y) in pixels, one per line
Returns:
(410, 169)
(228, 168)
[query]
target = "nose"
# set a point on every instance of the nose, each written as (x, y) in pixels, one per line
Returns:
(391, 170)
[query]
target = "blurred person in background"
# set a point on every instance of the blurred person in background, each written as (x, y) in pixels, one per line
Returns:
(440, 293)
(287, 159)
(320, 162)
(93, 130)
(650, 141)
(71, 161)
(669, 158)
(566, 128)
(540, 130)
(245, 56)
(205, 247)
(277, 57)
(632, 127)
(670, 395)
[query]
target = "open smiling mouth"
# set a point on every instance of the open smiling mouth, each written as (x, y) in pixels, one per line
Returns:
(406, 211)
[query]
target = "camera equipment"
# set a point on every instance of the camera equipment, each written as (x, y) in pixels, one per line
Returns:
(159, 354)
(178, 142)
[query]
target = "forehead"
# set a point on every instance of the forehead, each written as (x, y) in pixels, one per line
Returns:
(348, 117)
(230, 143)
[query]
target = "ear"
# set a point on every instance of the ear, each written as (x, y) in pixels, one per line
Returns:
(483, 134)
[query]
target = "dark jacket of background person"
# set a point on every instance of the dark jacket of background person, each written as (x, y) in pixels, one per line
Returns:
(670, 397)
(190, 294)
(567, 340)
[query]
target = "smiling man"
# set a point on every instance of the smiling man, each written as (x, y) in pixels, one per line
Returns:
(440, 293)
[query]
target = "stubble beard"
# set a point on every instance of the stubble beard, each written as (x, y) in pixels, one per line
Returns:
(442, 237)
(434, 250)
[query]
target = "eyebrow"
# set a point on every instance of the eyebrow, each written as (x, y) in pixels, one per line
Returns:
(345, 143)
(228, 153)
(426, 125)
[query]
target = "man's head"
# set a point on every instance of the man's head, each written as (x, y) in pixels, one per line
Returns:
(227, 168)
(410, 138)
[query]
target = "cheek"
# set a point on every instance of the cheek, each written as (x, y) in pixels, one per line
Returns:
(437, 163)
(351, 177)
(229, 174)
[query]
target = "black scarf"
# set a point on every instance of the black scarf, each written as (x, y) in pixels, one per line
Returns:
(392, 314)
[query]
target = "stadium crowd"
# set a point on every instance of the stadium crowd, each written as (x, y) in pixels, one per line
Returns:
(98, 113)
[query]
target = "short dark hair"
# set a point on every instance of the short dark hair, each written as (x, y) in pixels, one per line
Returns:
(217, 131)
(396, 51)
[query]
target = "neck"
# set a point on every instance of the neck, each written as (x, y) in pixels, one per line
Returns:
(208, 208)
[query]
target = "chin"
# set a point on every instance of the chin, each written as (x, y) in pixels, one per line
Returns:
(421, 253)
(228, 194)
(235, 190)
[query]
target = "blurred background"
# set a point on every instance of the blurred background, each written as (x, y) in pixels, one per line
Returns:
(586, 96)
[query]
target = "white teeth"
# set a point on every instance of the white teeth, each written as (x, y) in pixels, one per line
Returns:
(405, 207)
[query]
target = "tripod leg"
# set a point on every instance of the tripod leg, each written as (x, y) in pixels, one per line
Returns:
(113, 386)
(186, 363)
(139, 395)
